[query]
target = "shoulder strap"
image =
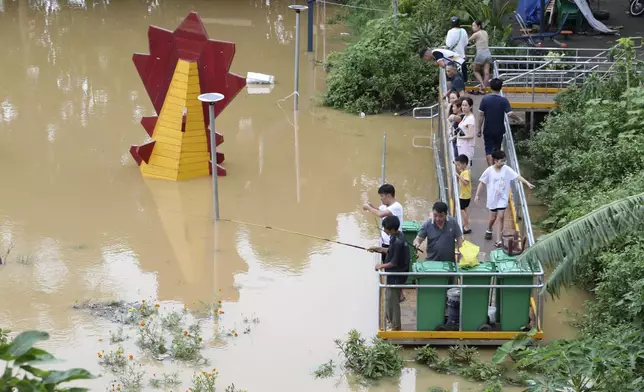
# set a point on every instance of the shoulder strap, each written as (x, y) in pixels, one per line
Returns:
(458, 40)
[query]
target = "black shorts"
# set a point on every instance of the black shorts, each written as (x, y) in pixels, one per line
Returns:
(492, 144)
(382, 255)
(464, 203)
(498, 209)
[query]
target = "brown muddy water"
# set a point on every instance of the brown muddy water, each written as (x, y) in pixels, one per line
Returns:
(83, 224)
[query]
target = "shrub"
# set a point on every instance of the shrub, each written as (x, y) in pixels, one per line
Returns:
(375, 361)
(380, 72)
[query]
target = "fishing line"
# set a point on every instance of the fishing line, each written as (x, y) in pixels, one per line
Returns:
(357, 6)
(293, 232)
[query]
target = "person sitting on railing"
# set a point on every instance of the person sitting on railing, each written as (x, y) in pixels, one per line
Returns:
(497, 178)
(483, 58)
(443, 234)
(492, 111)
(455, 80)
(396, 260)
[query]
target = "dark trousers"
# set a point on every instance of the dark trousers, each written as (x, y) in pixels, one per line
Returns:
(464, 71)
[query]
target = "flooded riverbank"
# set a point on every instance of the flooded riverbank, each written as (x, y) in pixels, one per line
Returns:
(82, 224)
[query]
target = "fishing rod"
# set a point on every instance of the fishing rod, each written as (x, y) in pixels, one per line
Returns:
(293, 232)
(299, 233)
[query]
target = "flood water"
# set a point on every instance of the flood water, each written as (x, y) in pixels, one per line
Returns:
(82, 223)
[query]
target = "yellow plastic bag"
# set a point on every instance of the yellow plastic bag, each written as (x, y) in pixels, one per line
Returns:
(469, 255)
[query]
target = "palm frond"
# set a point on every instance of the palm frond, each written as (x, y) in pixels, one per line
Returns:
(564, 248)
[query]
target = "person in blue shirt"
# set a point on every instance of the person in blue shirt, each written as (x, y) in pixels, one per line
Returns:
(492, 111)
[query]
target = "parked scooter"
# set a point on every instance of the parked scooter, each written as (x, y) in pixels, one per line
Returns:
(636, 7)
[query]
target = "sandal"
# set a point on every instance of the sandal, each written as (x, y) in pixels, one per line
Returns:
(467, 231)
(498, 244)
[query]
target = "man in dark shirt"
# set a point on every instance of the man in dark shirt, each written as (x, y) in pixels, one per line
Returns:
(493, 109)
(443, 234)
(454, 79)
(396, 260)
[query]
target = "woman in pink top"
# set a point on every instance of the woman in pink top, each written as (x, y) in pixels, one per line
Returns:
(466, 130)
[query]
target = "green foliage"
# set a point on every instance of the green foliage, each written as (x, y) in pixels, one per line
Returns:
(611, 363)
(167, 381)
(4, 336)
(494, 15)
(20, 375)
(367, 76)
(462, 354)
(204, 381)
(481, 371)
(360, 12)
(427, 355)
(375, 361)
(493, 386)
(565, 247)
(325, 370)
(513, 347)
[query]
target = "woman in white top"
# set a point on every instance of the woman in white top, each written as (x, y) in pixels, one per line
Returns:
(465, 141)
(483, 57)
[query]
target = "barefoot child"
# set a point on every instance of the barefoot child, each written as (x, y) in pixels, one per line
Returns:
(465, 186)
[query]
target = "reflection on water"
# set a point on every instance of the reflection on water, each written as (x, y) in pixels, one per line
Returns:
(84, 224)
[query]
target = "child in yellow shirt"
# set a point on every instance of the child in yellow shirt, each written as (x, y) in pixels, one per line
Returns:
(465, 186)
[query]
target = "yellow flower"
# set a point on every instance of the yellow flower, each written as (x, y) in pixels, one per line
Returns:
(131, 357)
(157, 306)
(236, 334)
(143, 323)
(100, 355)
(100, 340)
(219, 302)
(185, 333)
(204, 372)
(214, 370)
(221, 312)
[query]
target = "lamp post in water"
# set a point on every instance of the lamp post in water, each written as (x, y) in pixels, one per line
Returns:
(298, 9)
(211, 99)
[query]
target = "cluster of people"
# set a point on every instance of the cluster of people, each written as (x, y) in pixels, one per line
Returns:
(442, 233)
(454, 59)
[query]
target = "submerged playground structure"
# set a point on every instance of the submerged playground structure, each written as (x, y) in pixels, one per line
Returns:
(183, 64)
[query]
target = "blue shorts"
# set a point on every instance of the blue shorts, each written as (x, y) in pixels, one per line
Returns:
(492, 144)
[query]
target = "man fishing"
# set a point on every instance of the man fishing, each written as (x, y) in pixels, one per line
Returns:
(396, 260)
(389, 207)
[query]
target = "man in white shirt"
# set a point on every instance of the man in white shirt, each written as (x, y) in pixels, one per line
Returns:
(443, 57)
(390, 206)
(456, 41)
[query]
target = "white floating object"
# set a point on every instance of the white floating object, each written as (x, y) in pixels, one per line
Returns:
(258, 78)
(254, 89)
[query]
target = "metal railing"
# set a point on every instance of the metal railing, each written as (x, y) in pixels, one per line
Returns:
(433, 113)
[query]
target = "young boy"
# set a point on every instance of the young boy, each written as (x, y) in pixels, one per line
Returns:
(390, 206)
(497, 178)
(396, 260)
(465, 186)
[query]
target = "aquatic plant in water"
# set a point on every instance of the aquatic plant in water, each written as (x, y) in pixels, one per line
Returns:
(375, 361)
